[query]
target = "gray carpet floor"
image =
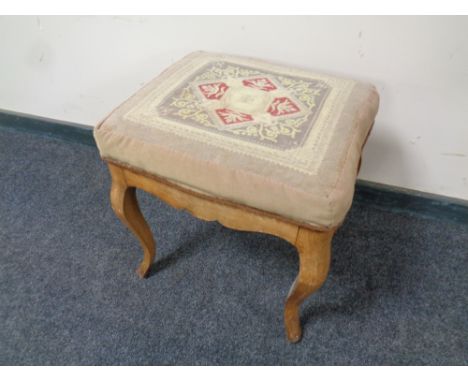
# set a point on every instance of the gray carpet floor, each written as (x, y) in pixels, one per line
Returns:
(396, 293)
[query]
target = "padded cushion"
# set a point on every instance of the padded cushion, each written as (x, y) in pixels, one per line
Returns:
(275, 138)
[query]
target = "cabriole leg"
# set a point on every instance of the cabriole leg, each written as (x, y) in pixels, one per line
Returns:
(314, 249)
(125, 205)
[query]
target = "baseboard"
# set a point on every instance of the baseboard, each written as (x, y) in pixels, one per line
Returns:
(402, 199)
(68, 131)
(369, 193)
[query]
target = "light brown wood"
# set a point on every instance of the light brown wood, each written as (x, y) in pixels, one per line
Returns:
(139, 175)
(208, 209)
(313, 246)
(314, 262)
(125, 205)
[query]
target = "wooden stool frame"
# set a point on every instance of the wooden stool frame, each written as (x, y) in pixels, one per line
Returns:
(313, 245)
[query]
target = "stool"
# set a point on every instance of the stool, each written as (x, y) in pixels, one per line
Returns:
(254, 145)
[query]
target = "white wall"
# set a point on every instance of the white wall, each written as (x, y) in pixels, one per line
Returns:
(78, 68)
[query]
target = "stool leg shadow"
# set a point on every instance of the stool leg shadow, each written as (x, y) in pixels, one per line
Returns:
(125, 205)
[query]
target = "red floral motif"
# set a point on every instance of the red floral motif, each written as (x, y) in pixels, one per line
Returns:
(282, 106)
(261, 83)
(214, 90)
(230, 117)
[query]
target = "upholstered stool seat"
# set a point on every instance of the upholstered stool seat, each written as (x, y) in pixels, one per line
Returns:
(277, 142)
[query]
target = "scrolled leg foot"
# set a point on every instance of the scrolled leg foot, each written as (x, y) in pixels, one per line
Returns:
(314, 249)
(125, 205)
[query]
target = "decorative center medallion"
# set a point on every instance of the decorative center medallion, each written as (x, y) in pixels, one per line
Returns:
(247, 101)
(260, 107)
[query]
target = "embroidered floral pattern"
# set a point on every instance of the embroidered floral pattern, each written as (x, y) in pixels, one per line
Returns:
(231, 116)
(282, 106)
(263, 108)
(262, 83)
(214, 90)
